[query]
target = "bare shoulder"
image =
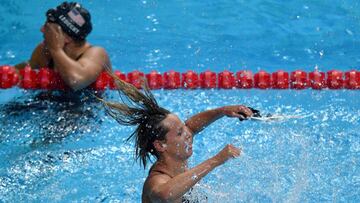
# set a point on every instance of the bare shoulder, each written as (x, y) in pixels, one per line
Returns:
(156, 180)
(152, 183)
(97, 50)
(96, 55)
(39, 47)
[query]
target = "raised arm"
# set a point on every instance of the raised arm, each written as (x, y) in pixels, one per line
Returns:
(168, 189)
(199, 121)
(81, 73)
(77, 74)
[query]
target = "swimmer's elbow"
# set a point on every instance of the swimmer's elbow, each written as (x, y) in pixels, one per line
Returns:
(76, 84)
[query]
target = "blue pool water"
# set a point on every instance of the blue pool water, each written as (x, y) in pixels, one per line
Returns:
(45, 157)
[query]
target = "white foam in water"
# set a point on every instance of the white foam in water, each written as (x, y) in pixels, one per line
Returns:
(274, 118)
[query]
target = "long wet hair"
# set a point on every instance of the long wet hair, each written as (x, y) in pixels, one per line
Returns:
(140, 109)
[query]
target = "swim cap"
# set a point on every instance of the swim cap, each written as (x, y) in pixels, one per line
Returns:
(72, 18)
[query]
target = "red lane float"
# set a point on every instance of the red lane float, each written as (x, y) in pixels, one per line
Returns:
(262, 80)
(280, 80)
(317, 80)
(208, 79)
(244, 79)
(190, 80)
(226, 80)
(298, 80)
(102, 82)
(172, 80)
(29, 78)
(118, 74)
(136, 78)
(48, 79)
(155, 80)
(45, 78)
(8, 77)
(352, 79)
(335, 79)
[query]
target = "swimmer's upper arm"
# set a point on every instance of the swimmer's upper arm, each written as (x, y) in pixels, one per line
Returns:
(94, 60)
(35, 59)
(92, 63)
(153, 187)
(189, 129)
(38, 57)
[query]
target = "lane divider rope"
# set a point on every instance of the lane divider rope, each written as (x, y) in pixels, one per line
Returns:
(45, 78)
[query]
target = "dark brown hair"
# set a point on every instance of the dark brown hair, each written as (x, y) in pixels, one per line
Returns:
(139, 108)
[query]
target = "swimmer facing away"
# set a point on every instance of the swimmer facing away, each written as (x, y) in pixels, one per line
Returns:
(162, 134)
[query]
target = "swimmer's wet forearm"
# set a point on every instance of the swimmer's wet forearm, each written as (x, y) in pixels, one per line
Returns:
(67, 69)
(180, 184)
(201, 120)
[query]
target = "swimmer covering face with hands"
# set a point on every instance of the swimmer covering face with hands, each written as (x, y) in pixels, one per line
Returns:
(65, 48)
(60, 114)
(162, 134)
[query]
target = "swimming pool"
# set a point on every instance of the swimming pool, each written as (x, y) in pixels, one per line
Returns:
(310, 159)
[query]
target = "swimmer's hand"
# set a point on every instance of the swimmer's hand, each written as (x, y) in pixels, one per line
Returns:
(239, 111)
(54, 37)
(255, 114)
(229, 151)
